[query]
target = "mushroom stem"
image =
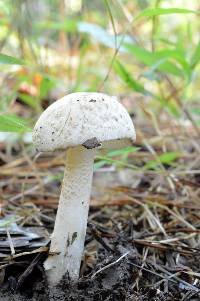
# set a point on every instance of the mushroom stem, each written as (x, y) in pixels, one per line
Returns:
(67, 241)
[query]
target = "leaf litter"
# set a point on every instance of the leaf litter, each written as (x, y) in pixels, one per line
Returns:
(143, 231)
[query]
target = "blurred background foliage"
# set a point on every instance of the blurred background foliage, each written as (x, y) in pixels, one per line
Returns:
(146, 52)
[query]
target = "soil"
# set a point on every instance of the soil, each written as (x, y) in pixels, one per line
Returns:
(142, 240)
(113, 269)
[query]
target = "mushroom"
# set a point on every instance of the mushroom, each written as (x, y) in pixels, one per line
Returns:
(80, 123)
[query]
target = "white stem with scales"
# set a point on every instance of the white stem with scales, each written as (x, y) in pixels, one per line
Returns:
(67, 241)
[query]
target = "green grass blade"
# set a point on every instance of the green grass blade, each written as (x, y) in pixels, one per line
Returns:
(10, 60)
(151, 58)
(12, 123)
(157, 11)
(128, 78)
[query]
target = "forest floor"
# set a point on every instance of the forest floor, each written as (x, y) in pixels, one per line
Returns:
(142, 240)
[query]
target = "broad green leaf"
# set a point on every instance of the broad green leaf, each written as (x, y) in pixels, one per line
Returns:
(12, 123)
(29, 100)
(118, 152)
(124, 151)
(169, 157)
(151, 58)
(196, 56)
(177, 55)
(10, 60)
(166, 158)
(46, 85)
(99, 164)
(133, 84)
(116, 162)
(128, 78)
(172, 107)
(166, 41)
(157, 11)
(68, 26)
(103, 36)
(151, 73)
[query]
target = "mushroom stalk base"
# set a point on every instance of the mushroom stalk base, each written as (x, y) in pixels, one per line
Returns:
(67, 241)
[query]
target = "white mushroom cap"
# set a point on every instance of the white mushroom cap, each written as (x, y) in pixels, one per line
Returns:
(83, 118)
